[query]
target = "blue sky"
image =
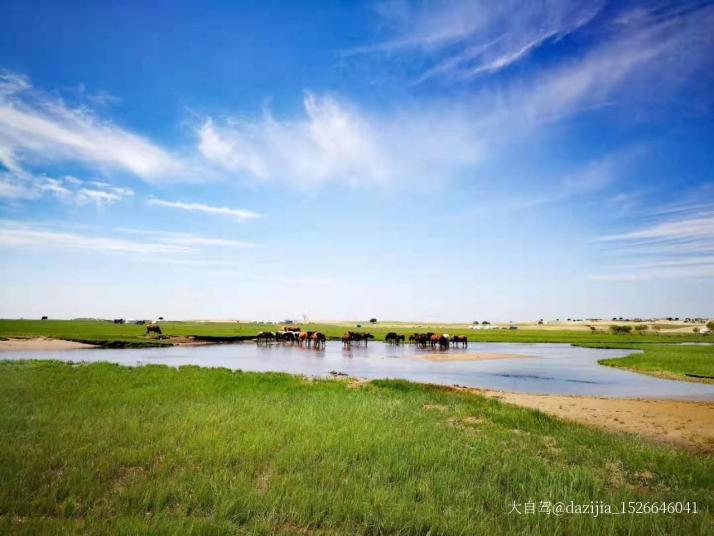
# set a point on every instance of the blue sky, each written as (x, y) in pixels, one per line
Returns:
(447, 160)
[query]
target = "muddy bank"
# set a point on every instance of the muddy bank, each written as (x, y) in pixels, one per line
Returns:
(685, 424)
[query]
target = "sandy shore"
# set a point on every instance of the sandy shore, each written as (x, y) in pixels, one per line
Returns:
(39, 344)
(483, 356)
(685, 424)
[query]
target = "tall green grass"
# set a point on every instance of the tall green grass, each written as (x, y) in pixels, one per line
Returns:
(104, 449)
(691, 363)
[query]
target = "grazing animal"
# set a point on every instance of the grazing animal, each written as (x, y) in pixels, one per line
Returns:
(391, 338)
(420, 339)
(318, 340)
(292, 329)
(460, 339)
(287, 336)
(362, 337)
(305, 337)
(400, 339)
(347, 338)
(265, 337)
(153, 328)
(444, 342)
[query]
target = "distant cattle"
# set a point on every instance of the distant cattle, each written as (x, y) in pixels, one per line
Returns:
(118, 320)
(44, 318)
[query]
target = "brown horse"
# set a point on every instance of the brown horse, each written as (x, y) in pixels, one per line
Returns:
(460, 339)
(391, 338)
(153, 328)
(305, 337)
(442, 341)
(318, 340)
(420, 339)
(265, 337)
(347, 338)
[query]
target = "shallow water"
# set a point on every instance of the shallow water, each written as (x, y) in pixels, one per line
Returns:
(547, 368)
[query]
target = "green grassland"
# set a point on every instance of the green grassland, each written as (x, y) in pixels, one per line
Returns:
(691, 363)
(105, 449)
(106, 333)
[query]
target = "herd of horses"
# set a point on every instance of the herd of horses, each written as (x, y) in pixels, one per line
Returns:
(317, 339)
(422, 340)
(293, 334)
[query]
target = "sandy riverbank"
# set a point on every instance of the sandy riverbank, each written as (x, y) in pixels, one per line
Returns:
(40, 344)
(685, 424)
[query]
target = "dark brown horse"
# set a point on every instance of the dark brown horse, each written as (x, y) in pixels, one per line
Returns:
(460, 339)
(265, 337)
(153, 328)
(318, 340)
(442, 341)
(420, 339)
(347, 338)
(362, 337)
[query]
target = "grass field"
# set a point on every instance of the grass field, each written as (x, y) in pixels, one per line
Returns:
(99, 449)
(101, 332)
(676, 362)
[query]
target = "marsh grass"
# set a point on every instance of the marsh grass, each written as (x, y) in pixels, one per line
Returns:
(100, 448)
(676, 362)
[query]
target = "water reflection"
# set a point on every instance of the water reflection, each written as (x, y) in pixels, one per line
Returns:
(543, 368)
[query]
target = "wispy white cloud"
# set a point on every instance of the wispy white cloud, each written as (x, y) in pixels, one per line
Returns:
(335, 141)
(471, 37)
(20, 185)
(676, 244)
(700, 227)
(462, 39)
(238, 214)
(23, 234)
(19, 234)
(36, 127)
(187, 239)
